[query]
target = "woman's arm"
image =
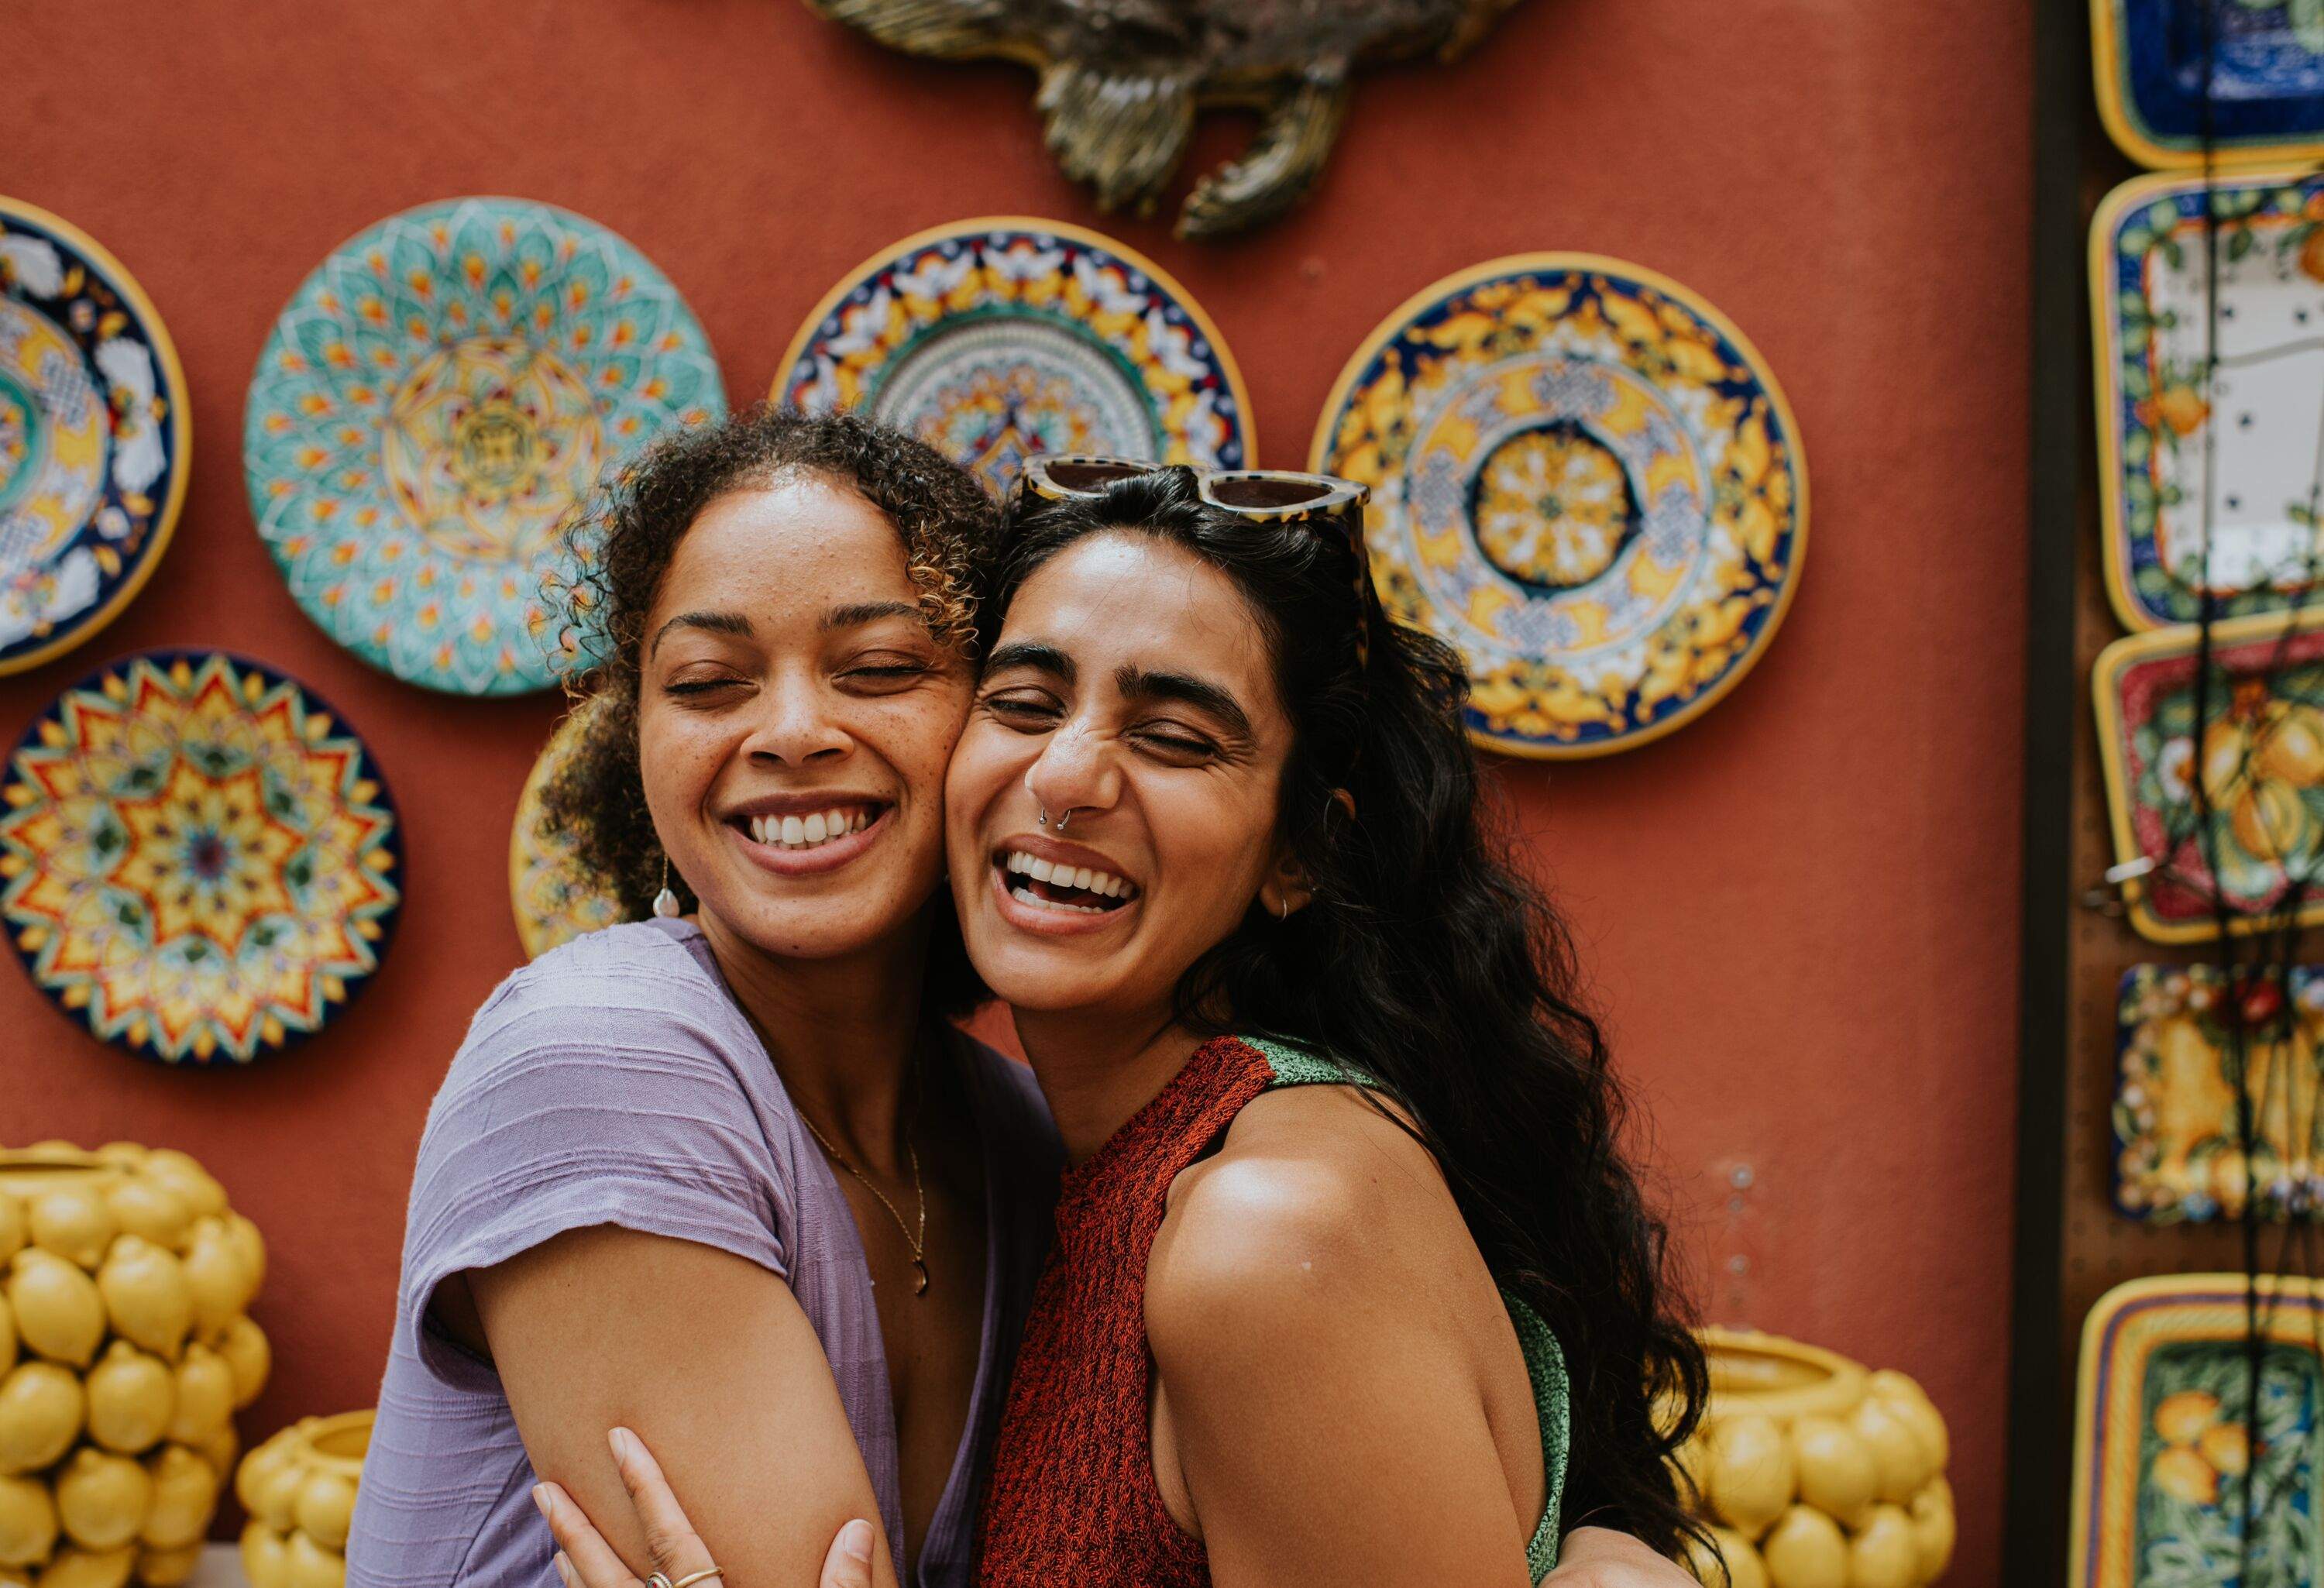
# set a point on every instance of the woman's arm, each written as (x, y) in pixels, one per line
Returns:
(709, 1357)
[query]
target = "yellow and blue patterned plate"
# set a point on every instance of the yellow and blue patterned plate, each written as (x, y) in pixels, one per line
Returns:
(2163, 1445)
(93, 437)
(2264, 59)
(996, 338)
(438, 398)
(554, 899)
(199, 861)
(1585, 480)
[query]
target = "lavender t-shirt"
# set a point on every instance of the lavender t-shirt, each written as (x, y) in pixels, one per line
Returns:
(613, 1081)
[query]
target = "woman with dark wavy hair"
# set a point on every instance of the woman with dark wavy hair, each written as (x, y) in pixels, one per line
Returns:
(1351, 1281)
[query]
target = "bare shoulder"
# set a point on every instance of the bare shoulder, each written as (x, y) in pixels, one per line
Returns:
(1318, 1215)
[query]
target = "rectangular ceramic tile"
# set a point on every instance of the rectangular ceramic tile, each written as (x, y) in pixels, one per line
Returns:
(2183, 1034)
(2262, 707)
(2161, 1445)
(2263, 61)
(2173, 437)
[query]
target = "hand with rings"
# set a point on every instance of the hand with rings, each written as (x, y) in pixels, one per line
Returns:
(676, 1553)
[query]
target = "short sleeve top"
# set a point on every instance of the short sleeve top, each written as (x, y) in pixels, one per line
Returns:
(614, 1081)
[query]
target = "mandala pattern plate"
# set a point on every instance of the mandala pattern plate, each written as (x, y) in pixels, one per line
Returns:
(93, 437)
(2263, 760)
(555, 900)
(997, 339)
(2163, 1446)
(2182, 1035)
(2267, 72)
(2249, 441)
(436, 400)
(200, 862)
(1585, 480)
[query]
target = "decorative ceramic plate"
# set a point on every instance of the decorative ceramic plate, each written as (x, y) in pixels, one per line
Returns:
(555, 900)
(2162, 1439)
(2183, 1032)
(2249, 444)
(438, 399)
(196, 859)
(93, 437)
(2266, 73)
(2263, 751)
(1585, 480)
(996, 338)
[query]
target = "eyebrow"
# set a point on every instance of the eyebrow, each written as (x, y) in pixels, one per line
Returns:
(716, 623)
(1142, 684)
(1031, 653)
(864, 612)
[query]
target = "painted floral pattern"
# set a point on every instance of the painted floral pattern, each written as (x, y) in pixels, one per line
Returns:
(1587, 482)
(93, 437)
(438, 399)
(994, 341)
(555, 900)
(199, 861)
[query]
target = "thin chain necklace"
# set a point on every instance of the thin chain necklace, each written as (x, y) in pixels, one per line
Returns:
(917, 1242)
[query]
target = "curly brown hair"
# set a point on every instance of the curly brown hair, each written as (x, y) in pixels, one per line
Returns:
(594, 802)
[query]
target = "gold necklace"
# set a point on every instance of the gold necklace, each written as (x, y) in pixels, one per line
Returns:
(918, 1243)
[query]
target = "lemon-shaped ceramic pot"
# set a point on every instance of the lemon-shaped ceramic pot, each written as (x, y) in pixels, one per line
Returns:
(125, 1348)
(300, 1489)
(1814, 1472)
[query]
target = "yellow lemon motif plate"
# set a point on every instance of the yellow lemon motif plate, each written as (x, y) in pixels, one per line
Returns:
(93, 437)
(1584, 479)
(997, 339)
(196, 859)
(2163, 1443)
(555, 900)
(434, 404)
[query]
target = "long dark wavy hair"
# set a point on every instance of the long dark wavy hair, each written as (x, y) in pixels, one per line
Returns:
(595, 800)
(1429, 960)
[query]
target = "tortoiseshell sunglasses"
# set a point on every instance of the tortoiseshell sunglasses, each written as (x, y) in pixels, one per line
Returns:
(1261, 496)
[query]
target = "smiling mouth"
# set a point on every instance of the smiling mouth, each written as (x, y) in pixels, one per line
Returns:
(1030, 880)
(799, 833)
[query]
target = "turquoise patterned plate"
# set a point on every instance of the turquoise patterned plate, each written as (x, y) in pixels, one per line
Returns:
(438, 399)
(93, 437)
(997, 339)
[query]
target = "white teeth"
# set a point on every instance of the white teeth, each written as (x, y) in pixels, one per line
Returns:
(1027, 896)
(794, 830)
(837, 823)
(1041, 871)
(1082, 878)
(791, 831)
(1104, 884)
(813, 829)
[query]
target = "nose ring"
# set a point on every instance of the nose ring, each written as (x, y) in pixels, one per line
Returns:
(1061, 820)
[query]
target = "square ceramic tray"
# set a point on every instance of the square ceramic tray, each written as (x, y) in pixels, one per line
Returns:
(2265, 66)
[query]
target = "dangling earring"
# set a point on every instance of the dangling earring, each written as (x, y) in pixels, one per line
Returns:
(665, 904)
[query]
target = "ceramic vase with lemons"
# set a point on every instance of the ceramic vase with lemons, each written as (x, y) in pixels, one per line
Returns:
(1814, 1472)
(124, 1352)
(299, 1490)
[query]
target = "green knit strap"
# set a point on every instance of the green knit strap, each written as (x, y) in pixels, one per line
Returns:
(1552, 1392)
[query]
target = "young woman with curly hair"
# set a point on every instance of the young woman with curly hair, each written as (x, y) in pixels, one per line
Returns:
(1353, 1282)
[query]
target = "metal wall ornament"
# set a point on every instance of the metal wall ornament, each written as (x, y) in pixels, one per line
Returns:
(438, 399)
(1000, 337)
(94, 437)
(199, 861)
(2184, 1035)
(2163, 1446)
(2261, 766)
(1123, 81)
(2171, 433)
(2255, 85)
(555, 900)
(1586, 480)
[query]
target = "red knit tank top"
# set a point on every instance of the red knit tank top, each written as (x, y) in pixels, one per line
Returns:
(1072, 1498)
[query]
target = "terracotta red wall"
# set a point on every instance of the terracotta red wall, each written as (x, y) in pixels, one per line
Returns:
(1800, 910)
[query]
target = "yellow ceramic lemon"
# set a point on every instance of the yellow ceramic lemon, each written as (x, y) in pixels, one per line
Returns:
(2181, 1474)
(1752, 1471)
(12, 1228)
(40, 1409)
(87, 1568)
(325, 1509)
(166, 1569)
(265, 1557)
(191, 1182)
(216, 1275)
(1736, 1559)
(1805, 1549)
(1932, 1528)
(1897, 1456)
(73, 1222)
(28, 1521)
(2226, 1446)
(132, 1397)
(1882, 1553)
(7, 1335)
(1836, 1472)
(58, 1313)
(150, 1210)
(102, 1498)
(314, 1566)
(185, 1494)
(205, 1396)
(248, 1358)
(146, 1298)
(250, 1246)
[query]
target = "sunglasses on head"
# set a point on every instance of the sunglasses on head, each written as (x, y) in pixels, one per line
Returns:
(1261, 496)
